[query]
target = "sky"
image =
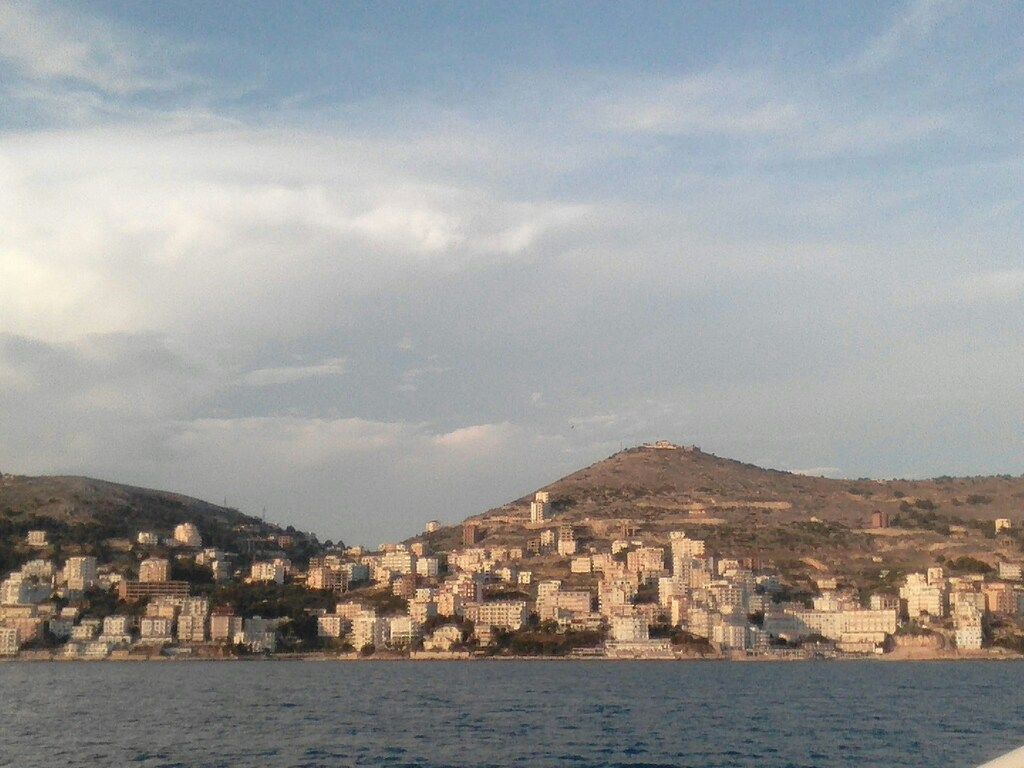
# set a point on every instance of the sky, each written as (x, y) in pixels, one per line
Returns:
(363, 265)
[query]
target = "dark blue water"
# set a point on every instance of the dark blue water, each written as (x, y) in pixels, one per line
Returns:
(544, 713)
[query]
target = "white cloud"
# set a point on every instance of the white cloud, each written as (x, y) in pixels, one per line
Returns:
(293, 440)
(709, 102)
(259, 219)
(262, 377)
(913, 25)
(996, 285)
(479, 437)
(48, 43)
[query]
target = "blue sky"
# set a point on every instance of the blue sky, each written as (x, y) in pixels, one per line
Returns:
(367, 265)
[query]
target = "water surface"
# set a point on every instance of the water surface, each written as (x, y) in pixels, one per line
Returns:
(521, 713)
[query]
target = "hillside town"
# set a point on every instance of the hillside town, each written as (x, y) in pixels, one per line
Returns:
(170, 595)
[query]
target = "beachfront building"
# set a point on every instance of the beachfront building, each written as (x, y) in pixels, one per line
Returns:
(921, 597)
(504, 614)
(368, 630)
(9, 641)
(224, 625)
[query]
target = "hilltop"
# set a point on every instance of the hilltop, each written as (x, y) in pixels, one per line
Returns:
(770, 515)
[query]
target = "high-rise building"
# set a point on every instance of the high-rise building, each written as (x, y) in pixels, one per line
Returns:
(540, 507)
(470, 533)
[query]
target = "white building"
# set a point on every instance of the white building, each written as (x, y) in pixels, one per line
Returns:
(402, 631)
(155, 629)
(581, 564)
(732, 633)
(540, 507)
(192, 627)
(331, 625)
(368, 630)
(116, 629)
(922, 597)
(36, 539)
(398, 561)
(224, 627)
(851, 627)
(505, 614)
(269, 571)
(9, 641)
(147, 538)
(968, 626)
(1009, 571)
(428, 567)
(443, 638)
(258, 634)
(80, 573)
(187, 535)
(629, 628)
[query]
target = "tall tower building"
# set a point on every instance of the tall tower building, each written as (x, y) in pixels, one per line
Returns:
(540, 507)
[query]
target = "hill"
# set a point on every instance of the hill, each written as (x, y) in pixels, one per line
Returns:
(771, 515)
(81, 514)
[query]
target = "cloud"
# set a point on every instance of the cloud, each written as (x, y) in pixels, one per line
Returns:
(978, 288)
(479, 437)
(917, 21)
(996, 285)
(767, 115)
(262, 377)
(709, 102)
(262, 219)
(368, 311)
(47, 43)
(292, 440)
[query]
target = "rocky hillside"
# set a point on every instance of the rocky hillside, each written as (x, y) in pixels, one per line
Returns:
(766, 514)
(652, 483)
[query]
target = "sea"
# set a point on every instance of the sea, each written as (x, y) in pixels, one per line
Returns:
(234, 714)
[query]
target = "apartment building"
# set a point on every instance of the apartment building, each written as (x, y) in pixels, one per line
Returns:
(80, 573)
(267, 571)
(9, 644)
(504, 614)
(922, 597)
(154, 570)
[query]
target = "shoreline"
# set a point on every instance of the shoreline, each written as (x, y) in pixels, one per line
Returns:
(445, 658)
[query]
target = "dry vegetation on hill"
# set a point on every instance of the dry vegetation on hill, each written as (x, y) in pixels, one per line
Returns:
(771, 515)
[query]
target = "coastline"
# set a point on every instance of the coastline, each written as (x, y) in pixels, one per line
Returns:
(39, 658)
